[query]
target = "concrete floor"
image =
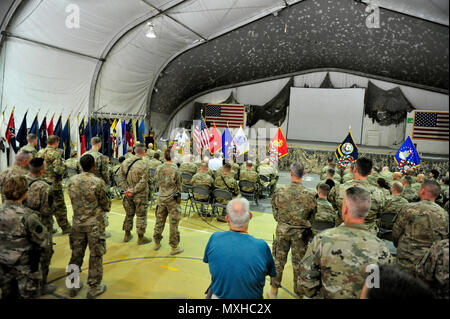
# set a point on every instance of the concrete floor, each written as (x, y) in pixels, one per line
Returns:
(138, 272)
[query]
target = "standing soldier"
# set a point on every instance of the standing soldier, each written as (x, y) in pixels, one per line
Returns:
(22, 236)
(31, 146)
(134, 177)
(90, 203)
(20, 167)
(394, 204)
(418, 225)
(293, 206)
(150, 151)
(168, 179)
(40, 199)
(54, 174)
(129, 152)
(226, 181)
(361, 171)
(336, 262)
(73, 163)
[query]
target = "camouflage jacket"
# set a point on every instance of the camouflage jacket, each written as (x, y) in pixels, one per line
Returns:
(415, 229)
(231, 184)
(336, 197)
(416, 187)
(150, 153)
(373, 178)
(138, 176)
(73, 164)
(128, 155)
(335, 262)
(55, 165)
(101, 166)
(154, 163)
(325, 211)
(410, 194)
(188, 167)
(219, 172)
(168, 180)
(251, 176)
(20, 231)
(14, 170)
(293, 205)
(433, 268)
(89, 200)
(394, 204)
(40, 199)
(29, 148)
(387, 176)
(347, 177)
(202, 179)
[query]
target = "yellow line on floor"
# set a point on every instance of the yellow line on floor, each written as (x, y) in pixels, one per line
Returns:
(168, 267)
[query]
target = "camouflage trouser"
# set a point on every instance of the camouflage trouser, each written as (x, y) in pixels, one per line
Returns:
(46, 257)
(138, 206)
(171, 208)
(60, 209)
(280, 249)
(19, 281)
(80, 238)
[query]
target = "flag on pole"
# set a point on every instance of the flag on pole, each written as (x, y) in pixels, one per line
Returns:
(58, 128)
(113, 136)
(10, 133)
(35, 130)
(3, 145)
(242, 144)
(65, 138)
(43, 133)
(50, 126)
(119, 140)
(347, 151)
(87, 133)
(129, 133)
(278, 146)
(201, 135)
(227, 143)
(407, 154)
(81, 138)
(142, 131)
(123, 137)
(215, 140)
(135, 133)
(21, 136)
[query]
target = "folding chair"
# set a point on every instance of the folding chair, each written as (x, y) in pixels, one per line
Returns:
(220, 194)
(387, 220)
(265, 179)
(199, 190)
(249, 195)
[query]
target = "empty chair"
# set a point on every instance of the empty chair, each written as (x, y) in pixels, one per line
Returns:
(249, 195)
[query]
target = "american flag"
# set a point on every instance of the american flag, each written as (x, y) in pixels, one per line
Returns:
(201, 135)
(431, 126)
(225, 114)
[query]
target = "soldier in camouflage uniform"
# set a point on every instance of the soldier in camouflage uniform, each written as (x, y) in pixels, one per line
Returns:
(227, 182)
(129, 152)
(117, 167)
(90, 203)
(410, 172)
(54, 174)
(22, 237)
(271, 173)
(348, 173)
(408, 192)
(331, 174)
(394, 204)
(418, 225)
(419, 180)
(20, 167)
(40, 199)
(325, 211)
(335, 264)
(331, 164)
(361, 170)
(384, 186)
(134, 177)
(249, 174)
(444, 195)
(202, 178)
(386, 174)
(188, 167)
(73, 164)
(169, 182)
(293, 207)
(150, 151)
(433, 268)
(101, 165)
(31, 146)
(374, 176)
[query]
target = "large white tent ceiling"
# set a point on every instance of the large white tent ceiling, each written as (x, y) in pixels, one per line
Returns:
(108, 64)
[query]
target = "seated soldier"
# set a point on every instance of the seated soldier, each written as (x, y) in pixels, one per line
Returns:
(188, 167)
(325, 211)
(73, 163)
(250, 175)
(270, 172)
(408, 193)
(384, 186)
(396, 177)
(374, 176)
(386, 174)
(202, 178)
(394, 203)
(410, 172)
(226, 181)
(444, 195)
(419, 180)
(330, 164)
(434, 174)
(348, 173)
(331, 174)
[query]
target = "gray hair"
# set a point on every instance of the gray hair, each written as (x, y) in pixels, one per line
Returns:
(358, 201)
(23, 156)
(238, 211)
(297, 169)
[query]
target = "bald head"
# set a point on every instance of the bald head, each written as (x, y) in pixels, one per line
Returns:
(238, 212)
(397, 176)
(23, 159)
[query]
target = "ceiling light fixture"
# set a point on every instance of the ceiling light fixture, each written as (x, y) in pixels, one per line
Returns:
(151, 31)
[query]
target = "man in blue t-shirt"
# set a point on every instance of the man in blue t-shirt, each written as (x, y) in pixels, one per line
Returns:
(238, 262)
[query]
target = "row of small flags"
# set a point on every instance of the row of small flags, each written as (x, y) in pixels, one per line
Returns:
(227, 143)
(406, 156)
(116, 134)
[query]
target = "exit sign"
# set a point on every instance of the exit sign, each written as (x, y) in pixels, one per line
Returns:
(410, 120)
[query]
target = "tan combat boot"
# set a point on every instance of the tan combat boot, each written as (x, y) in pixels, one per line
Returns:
(142, 240)
(92, 293)
(176, 250)
(127, 236)
(157, 245)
